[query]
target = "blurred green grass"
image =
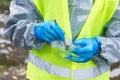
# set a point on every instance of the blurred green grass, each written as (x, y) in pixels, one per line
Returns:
(4, 5)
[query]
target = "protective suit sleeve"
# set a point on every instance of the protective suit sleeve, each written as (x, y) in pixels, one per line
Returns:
(110, 48)
(19, 26)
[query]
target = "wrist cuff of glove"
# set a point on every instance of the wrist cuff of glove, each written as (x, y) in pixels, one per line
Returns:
(36, 32)
(97, 40)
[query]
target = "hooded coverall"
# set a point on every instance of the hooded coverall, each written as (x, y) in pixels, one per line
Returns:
(24, 16)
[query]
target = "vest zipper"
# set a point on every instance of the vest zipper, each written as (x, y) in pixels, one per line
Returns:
(73, 67)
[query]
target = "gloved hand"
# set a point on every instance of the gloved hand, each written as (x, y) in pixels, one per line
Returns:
(85, 49)
(48, 32)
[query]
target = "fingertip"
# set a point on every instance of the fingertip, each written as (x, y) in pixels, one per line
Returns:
(63, 39)
(68, 57)
(76, 42)
(63, 32)
(82, 60)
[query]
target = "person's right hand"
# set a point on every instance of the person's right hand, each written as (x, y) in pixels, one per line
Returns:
(48, 31)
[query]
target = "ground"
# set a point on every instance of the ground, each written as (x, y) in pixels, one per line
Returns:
(12, 60)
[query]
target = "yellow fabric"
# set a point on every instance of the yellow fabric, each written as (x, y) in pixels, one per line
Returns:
(34, 73)
(101, 12)
(56, 59)
(58, 10)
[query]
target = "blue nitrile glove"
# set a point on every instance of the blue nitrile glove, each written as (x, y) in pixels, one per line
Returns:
(48, 32)
(85, 49)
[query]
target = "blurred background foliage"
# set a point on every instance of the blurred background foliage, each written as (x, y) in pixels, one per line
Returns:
(12, 60)
(4, 5)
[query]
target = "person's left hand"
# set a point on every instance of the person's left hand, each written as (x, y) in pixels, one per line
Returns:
(85, 49)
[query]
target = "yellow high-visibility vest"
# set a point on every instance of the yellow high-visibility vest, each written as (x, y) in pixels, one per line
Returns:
(46, 64)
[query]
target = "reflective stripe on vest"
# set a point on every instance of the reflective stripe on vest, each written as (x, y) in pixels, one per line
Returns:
(65, 72)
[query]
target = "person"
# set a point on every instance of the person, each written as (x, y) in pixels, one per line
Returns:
(90, 29)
